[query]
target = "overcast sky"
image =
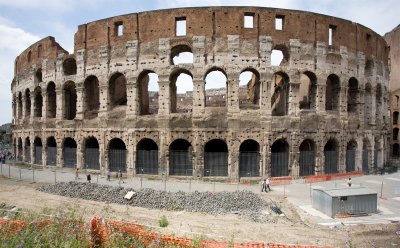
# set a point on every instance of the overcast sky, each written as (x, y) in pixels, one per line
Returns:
(23, 22)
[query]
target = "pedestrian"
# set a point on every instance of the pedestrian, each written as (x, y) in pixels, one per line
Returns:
(267, 182)
(89, 178)
(120, 176)
(77, 174)
(108, 175)
(264, 185)
(349, 181)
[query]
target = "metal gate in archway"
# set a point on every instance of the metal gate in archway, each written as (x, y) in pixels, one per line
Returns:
(69, 157)
(279, 164)
(147, 162)
(331, 162)
(180, 163)
(28, 154)
(350, 160)
(117, 160)
(92, 158)
(38, 155)
(215, 164)
(365, 167)
(51, 155)
(307, 163)
(249, 164)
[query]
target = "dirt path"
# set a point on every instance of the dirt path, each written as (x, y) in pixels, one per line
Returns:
(295, 228)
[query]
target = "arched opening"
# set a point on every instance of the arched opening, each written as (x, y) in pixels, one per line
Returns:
(377, 155)
(249, 89)
(280, 158)
(147, 157)
(307, 158)
(215, 158)
(117, 90)
(38, 105)
(331, 157)
(51, 100)
(396, 150)
(280, 94)
(19, 105)
(352, 96)
(51, 151)
(27, 150)
(369, 68)
(20, 150)
(395, 134)
(279, 55)
(69, 100)
(365, 156)
(395, 118)
(332, 93)
(181, 54)
(351, 156)
(249, 159)
(37, 143)
(216, 88)
(308, 90)
(69, 153)
(92, 97)
(180, 158)
(38, 75)
(368, 104)
(116, 155)
(69, 66)
(92, 154)
(148, 93)
(181, 91)
(378, 102)
(27, 103)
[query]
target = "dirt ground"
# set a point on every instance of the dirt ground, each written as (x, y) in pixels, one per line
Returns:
(294, 228)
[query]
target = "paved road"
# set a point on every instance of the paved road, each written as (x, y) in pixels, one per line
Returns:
(297, 193)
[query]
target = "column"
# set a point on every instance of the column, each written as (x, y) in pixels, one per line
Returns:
(321, 94)
(232, 94)
(293, 93)
(104, 101)
(80, 102)
(164, 104)
(131, 93)
(32, 107)
(44, 105)
(198, 96)
(60, 155)
(60, 104)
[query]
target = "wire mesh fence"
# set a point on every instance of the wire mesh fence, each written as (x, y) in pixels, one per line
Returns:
(51, 156)
(307, 163)
(70, 157)
(147, 162)
(365, 161)
(38, 155)
(279, 164)
(215, 164)
(117, 160)
(350, 160)
(249, 164)
(92, 158)
(180, 163)
(331, 162)
(28, 154)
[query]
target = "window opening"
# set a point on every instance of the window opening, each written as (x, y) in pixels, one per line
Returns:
(180, 24)
(249, 20)
(279, 23)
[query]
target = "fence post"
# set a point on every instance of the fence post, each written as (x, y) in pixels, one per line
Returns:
(33, 174)
(9, 171)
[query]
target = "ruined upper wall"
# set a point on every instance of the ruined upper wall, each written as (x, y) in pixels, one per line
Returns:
(393, 40)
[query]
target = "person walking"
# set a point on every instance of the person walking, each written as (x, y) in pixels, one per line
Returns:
(267, 182)
(120, 176)
(77, 174)
(89, 178)
(349, 181)
(264, 185)
(108, 175)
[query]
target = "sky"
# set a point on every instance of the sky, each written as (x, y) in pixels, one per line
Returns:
(23, 22)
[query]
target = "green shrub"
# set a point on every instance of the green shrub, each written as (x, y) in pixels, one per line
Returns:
(163, 221)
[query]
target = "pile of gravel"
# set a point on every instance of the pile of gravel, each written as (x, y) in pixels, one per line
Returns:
(240, 202)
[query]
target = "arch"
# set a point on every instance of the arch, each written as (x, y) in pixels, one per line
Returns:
(332, 93)
(147, 84)
(181, 87)
(395, 134)
(181, 54)
(27, 150)
(51, 100)
(20, 150)
(51, 151)
(27, 103)
(279, 55)
(279, 158)
(365, 155)
(180, 158)
(19, 105)
(91, 97)
(249, 89)
(215, 87)
(395, 117)
(69, 150)
(215, 158)
(351, 151)
(396, 150)
(368, 103)
(69, 66)
(249, 158)
(69, 100)
(116, 155)
(38, 75)
(307, 158)
(37, 143)
(352, 96)
(147, 157)
(331, 156)
(308, 90)
(280, 94)
(117, 90)
(92, 154)
(38, 104)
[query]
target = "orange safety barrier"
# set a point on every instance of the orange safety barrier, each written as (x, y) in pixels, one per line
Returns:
(322, 178)
(280, 180)
(12, 226)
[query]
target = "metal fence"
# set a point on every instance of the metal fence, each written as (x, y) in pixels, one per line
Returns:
(365, 167)
(38, 155)
(117, 160)
(147, 162)
(215, 164)
(180, 163)
(51, 155)
(307, 163)
(350, 160)
(279, 164)
(249, 164)
(92, 158)
(28, 154)
(331, 162)
(375, 159)
(70, 157)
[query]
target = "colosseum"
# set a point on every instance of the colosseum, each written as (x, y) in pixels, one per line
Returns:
(196, 92)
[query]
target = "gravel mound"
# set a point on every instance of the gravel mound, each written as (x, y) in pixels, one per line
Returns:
(243, 203)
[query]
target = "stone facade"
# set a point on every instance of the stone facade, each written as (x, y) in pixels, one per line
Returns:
(320, 111)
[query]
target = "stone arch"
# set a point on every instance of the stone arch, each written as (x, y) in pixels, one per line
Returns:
(366, 155)
(181, 54)
(91, 97)
(395, 134)
(19, 105)
(38, 75)
(307, 158)
(249, 89)
(51, 100)
(69, 100)
(368, 103)
(147, 96)
(353, 96)
(215, 158)
(117, 90)
(117, 155)
(308, 91)
(147, 157)
(38, 104)
(280, 94)
(27, 103)
(180, 158)
(215, 87)
(395, 117)
(51, 146)
(181, 91)
(69, 151)
(280, 158)
(332, 94)
(331, 155)
(280, 55)
(38, 147)
(27, 150)
(351, 151)
(20, 149)
(92, 154)
(69, 66)
(396, 150)
(249, 158)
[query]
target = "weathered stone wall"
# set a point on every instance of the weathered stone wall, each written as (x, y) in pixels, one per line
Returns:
(352, 71)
